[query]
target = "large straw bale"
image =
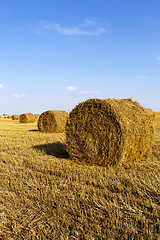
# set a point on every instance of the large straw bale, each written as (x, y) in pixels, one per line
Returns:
(15, 117)
(27, 118)
(52, 121)
(107, 132)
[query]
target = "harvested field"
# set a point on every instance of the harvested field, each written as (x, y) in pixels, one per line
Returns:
(108, 132)
(52, 121)
(45, 195)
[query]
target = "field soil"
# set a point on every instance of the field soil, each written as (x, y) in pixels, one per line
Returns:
(46, 195)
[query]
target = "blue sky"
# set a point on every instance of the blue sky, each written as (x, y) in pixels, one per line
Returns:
(55, 54)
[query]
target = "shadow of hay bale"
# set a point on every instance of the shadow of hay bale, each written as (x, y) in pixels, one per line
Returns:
(56, 149)
(33, 130)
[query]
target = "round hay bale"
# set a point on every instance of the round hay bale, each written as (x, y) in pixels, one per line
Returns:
(27, 118)
(15, 117)
(52, 121)
(150, 112)
(107, 132)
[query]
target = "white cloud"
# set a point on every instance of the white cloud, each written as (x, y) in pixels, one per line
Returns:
(19, 95)
(70, 88)
(158, 58)
(90, 27)
(1, 86)
(141, 77)
(78, 31)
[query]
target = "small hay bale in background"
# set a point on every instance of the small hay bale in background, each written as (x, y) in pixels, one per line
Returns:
(27, 118)
(52, 121)
(15, 117)
(157, 115)
(107, 132)
(150, 112)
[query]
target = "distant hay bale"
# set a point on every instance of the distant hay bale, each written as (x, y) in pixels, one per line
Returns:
(15, 117)
(150, 112)
(27, 118)
(157, 115)
(107, 132)
(52, 121)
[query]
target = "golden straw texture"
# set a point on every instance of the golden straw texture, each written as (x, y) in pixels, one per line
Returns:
(150, 112)
(15, 117)
(52, 121)
(107, 132)
(27, 118)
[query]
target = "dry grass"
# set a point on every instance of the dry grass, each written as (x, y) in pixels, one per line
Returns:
(44, 195)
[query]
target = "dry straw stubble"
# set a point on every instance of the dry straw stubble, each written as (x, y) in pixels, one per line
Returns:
(52, 121)
(27, 118)
(108, 131)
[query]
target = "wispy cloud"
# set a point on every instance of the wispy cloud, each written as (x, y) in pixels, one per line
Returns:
(71, 88)
(90, 27)
(1, 86)
(82, 92)
(158, 58)
(141, 77)
(19, 95)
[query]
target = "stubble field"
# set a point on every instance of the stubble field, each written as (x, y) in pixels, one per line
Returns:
(45, 195)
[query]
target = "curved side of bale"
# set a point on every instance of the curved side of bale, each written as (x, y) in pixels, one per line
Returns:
(52, 121)
(27, 118)
(107, 132)
(15, 117)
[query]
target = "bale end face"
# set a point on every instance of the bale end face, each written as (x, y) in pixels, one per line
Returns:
(52, 121)
(27, 118)
(15, 117)
(107, 132)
